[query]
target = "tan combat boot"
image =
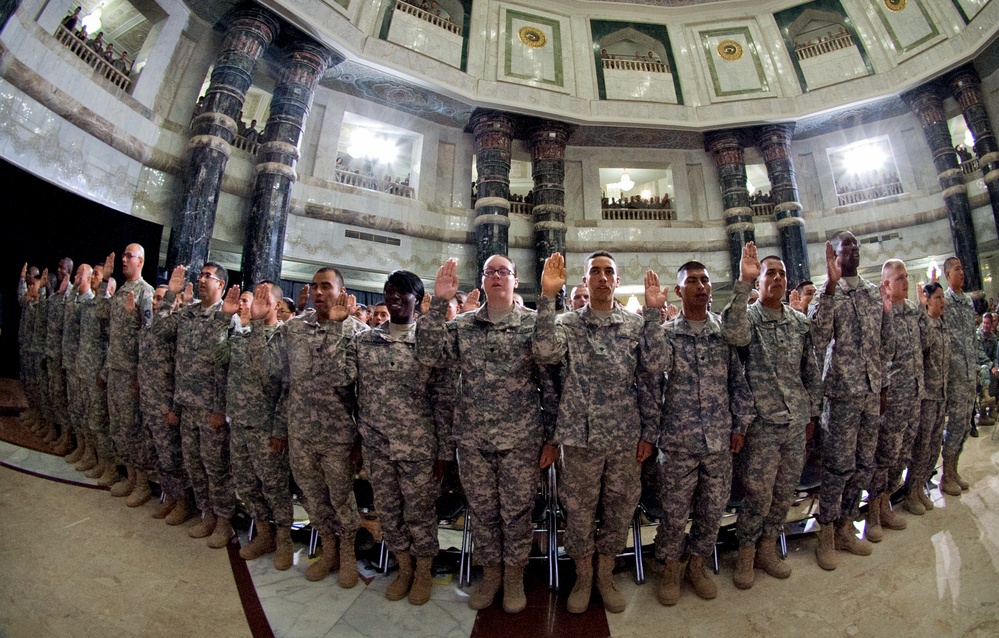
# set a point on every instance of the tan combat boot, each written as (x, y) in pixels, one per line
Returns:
(668, 591)
(423, 581)
(180, 513)
(920, 489)
(492, 578)
(327, 560)
(697, 574)
(872, 530)
(912, 503)
(744, 576)
(965, 486)
(88, 461)
(64, 444)
(846, 540)
(98, 469)
(165, 508)
(579, 597)
(888, 517)
(514, 600)
(399, 587)
(110, 476)
(125, 486)
(78, 451)
(825, 549)
(141, 493)
(949, 484)
(205, 527)
(263, 542)
(613, 600)
(222, 533)
(284, 552)
(767, 560)
(348, 575)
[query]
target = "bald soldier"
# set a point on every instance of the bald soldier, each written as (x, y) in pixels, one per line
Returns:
(127, 312)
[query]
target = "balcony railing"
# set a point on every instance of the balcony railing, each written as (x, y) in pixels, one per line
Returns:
(97, 61)
(521, 208)
(246, 144)
(971, 166)
(646, 66)
(426, 16)
(869, 193)
(373, 183)
(762, 210)
(639, 214)
(812, 49)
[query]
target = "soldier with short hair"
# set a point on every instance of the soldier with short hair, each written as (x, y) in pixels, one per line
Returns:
(706, 410)
(787, 389)
(58, 402)
(84, 457)
(607, 419)
(91, 369)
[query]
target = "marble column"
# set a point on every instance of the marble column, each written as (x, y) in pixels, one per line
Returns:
(303, 64)
(726, 148)
(547, 140)
(926, 103)
(774, 142)
(493, 133)
(248, 34)
(966, 87)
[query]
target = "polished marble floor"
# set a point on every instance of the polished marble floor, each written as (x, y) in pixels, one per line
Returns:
(76, 562)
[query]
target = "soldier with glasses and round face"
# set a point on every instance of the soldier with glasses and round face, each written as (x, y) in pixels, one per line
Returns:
(498, 427)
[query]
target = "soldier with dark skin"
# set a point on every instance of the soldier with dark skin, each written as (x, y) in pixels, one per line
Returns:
(58, 402)
(853, 336)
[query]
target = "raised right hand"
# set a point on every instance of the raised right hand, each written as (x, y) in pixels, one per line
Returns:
(109, 266)
(178, 278)
(833, 270)
(24, 271)
(471, 301)
(553, 275)
(303, 298)
(655, 297)
(446, 283)
(339, 310)
(262, 302)
(795, 300)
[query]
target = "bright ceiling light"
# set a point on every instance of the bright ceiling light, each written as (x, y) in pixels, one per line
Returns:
(92, 21)
(646, 194)
(625, 184)
(633, 305)
(365, 144)
(864, 159)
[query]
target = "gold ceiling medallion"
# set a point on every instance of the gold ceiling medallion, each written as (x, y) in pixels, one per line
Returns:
(532, 37)
(731, 50)
(895, 5)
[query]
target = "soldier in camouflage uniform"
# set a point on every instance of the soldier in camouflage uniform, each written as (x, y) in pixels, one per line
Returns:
(498, 424)
(786, 386)
(58, 401)
(400, 437)
(901, 418)
(965, 359)
(852, 327)
(157, 346)
(48, 430)
(320, 425)
(84, 458)
(706, 410)
(257, 449)
(988, 384)
(933, 406)
(200, 330)
(91, 360)
(127, 312)
(607, 419)
(27, 298)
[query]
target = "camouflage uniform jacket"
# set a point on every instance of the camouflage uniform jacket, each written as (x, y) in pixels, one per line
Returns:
(157, 352)
(123, 347)
(394, 392)
(909, 321)
(55, 321)
(707, 398)
(199, 379)
(297, 352)
(71, 328)
(988, 344)
(253, 388)
(781, 368)
(853, 338)
(39, 331)
(936, 359)
(90, 359)
(609, 397)
(965, 354)
(499, 402)
(26, 327)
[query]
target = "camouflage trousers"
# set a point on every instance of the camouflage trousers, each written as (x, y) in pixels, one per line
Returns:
(696, 486)
(926, 447)
(206, 458)
(770, 466)
(849, 441)
(96, 417)
(960, 409)
(167, 453)
(591, 479)
(77, 403)
(324, 473)
(405, 495)
(898, 429)
(57, 400)
(32, 382)
(500, 487)
(130, 438)
(261, 474)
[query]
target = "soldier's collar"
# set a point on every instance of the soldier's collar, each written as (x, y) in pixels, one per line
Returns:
(712, 325)
(589, 316)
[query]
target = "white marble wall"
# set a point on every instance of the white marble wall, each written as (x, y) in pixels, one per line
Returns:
(833, 67)
(639, 85)
(423, 37)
